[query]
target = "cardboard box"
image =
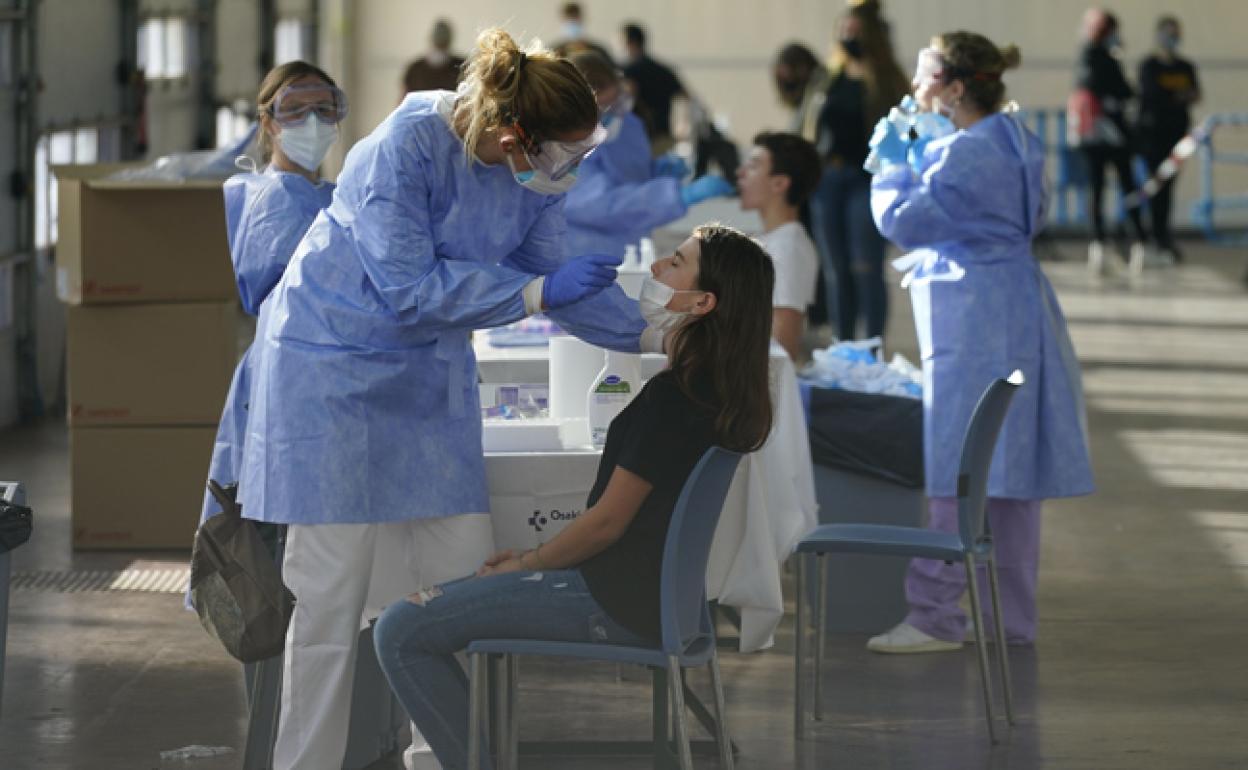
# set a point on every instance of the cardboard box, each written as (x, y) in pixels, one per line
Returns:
(151, 364)
(139, 241)
(534, 495)
(137, 488)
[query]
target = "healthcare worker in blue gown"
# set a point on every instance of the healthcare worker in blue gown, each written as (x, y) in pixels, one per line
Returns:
(267, 213)
(622, 195)
(364, 434)
(967, 206)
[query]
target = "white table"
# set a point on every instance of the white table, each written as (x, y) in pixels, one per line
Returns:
(770, 506)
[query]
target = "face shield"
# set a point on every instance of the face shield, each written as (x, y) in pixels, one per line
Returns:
(929, 69)
(556, 159)
(294, 103)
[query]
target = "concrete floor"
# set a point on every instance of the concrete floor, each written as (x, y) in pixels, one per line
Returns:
(1144, 599)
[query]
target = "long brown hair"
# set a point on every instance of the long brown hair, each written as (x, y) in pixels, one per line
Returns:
(278, 78)
(883, 77)
(728, 347)
(503, 85)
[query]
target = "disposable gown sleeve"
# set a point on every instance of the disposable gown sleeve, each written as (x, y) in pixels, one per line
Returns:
(608, 319)
(913, 210)
(390, 222)
(629, 195)
(269, 229)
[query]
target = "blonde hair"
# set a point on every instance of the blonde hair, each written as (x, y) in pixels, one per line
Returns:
(979, 64)
(503, 86)
(278, 78)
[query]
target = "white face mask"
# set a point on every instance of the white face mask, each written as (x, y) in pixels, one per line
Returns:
(654, 298)
(307, 143)
(540, 182)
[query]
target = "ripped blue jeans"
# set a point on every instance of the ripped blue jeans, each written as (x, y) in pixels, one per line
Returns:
(416, 639)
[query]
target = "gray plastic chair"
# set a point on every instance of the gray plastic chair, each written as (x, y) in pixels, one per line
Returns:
(12, 492)
(687, 630)
(970, 544)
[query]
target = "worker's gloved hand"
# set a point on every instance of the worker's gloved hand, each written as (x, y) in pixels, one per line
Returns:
(578, 278)
(670, 165)
(888, 148)
(914, 156)
(705, 188)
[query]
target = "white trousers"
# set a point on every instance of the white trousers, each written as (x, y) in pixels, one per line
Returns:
(342, 575)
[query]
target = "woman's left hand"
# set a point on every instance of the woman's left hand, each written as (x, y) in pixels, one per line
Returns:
(499, 568)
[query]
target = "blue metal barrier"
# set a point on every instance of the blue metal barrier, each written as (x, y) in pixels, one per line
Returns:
(1205, 207)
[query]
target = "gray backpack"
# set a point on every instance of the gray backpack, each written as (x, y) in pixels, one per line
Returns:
(236, 584)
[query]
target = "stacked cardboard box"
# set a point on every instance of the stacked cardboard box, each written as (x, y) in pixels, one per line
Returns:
(152, 328)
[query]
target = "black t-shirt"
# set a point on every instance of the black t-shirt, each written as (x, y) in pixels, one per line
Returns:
(842, 134)
(1165, 90)
(660, 436)
(657, 85)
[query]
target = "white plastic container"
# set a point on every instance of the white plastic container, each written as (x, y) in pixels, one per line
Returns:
(612, 390)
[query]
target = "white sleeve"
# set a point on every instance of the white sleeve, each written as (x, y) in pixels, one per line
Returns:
(797, 267)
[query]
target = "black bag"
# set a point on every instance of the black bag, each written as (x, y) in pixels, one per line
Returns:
(236, 586)
(16, 522)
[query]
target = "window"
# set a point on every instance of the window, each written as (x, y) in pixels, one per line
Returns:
(75, 145)
(232, 124)
(162, 53)
(292, 40)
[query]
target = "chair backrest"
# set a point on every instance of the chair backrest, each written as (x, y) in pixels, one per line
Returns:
(977, 448)
(682, 588)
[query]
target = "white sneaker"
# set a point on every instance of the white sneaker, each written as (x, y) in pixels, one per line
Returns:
(1139, 255)
(1096, 258)
(905, 638)
(420, 758)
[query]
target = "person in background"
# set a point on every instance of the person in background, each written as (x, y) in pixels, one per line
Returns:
(778, 176)
(572, 26)
(1097, 126)
(865, 83)
(364, 433)
(802, 83)
(655, 85)
(437, 70)
(621, 194)
(968, 205)
(1168, 90)
(267, 213)
(597, 581)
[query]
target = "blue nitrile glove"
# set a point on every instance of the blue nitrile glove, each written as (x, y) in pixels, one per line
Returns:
(578, 278)
(671, 165)
(914, 156)
(887, 145)
(705, 188)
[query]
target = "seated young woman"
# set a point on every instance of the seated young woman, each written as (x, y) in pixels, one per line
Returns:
(598, 579)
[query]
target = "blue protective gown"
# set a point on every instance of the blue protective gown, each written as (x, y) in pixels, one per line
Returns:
(983, 308)
(617, 199)
(266, 215)
(365, 405)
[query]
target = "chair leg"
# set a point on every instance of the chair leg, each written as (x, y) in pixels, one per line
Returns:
(513, 695)
(476, 687)
(799, 653)
(677, 685)
(821, 630)
(500, 719)
(1003, 661)
(980, 651)
(721, 715)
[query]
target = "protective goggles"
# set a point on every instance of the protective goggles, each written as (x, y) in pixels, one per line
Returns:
(557, 159)
(294, 103)
(929, 70)
(618, 108)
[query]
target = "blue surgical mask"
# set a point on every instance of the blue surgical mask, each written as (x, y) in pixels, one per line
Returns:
(1168, 41)
(540, 182)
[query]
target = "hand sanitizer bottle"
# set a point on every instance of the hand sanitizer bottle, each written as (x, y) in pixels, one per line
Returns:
(612, 390)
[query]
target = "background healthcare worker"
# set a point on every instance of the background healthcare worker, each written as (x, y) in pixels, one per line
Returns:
(983, 308)
(364, 434)
(267, 213)
(622, 195)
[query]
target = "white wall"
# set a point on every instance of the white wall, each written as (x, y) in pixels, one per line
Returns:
(723, 48)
